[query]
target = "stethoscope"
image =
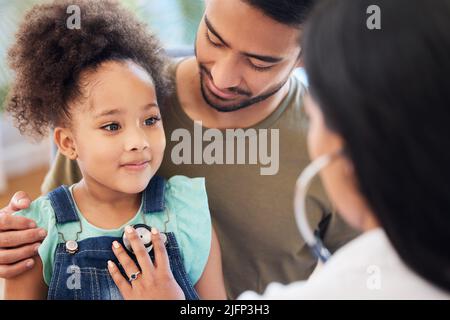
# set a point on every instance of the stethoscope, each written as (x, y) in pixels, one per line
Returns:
(301, 188)
(145, 234)
(143, 231)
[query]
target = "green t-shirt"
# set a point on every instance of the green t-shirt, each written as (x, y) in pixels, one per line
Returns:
(186, 215)
(252, 213)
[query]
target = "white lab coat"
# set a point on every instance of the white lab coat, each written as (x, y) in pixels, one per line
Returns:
(366, 268)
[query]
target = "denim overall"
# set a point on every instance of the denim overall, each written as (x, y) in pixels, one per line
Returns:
(84, 275)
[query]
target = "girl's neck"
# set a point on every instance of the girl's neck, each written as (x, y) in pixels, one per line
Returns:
(96, 202)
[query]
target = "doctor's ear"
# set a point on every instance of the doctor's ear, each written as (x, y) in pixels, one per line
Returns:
(63, 138)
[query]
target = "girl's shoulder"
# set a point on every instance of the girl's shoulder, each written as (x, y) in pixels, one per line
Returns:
(182, 189)
(41, 211)
(187, 201)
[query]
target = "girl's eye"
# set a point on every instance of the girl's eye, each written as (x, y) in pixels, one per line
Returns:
(111, 127)
(152, 120)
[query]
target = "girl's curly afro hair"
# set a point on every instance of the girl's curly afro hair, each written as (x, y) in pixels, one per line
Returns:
(47, 58)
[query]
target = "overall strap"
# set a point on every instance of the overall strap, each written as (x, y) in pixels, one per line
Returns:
(153, 195)
(63, 205)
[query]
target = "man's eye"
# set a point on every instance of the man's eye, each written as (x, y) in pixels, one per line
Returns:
(111, 127)
(217, 45)
(151, 121)
(260, 68)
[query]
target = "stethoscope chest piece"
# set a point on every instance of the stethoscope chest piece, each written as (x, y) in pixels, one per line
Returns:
(145, 234)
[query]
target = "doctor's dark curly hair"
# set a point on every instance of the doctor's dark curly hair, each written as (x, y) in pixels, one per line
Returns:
(48, 57)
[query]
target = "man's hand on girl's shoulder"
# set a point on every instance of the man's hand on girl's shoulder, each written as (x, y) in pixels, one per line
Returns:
(19, 238)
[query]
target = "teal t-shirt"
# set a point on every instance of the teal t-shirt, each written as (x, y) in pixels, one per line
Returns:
(186, 215)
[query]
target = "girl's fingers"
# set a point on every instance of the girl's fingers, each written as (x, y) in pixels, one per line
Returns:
(161, 257)
(139, 250)
(124, 259)
(119, 280)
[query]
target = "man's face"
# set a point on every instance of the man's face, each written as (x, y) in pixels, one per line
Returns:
(244, 56)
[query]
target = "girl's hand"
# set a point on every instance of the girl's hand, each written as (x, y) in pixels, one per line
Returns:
(155, 280)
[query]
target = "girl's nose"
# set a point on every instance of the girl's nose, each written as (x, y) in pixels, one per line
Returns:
(136, 140)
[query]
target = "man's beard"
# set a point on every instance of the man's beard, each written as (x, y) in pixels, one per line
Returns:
(241, 105)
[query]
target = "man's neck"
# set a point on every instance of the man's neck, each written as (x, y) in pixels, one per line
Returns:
(194, 105)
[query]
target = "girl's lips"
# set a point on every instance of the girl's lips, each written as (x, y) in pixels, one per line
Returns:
(136, 166)
(218, 92)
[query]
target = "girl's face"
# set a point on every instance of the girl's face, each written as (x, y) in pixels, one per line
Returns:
(116, 132)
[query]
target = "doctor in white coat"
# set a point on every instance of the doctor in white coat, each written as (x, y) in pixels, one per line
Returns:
(379, 108)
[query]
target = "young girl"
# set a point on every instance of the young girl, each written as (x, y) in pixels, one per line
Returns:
(99, 88)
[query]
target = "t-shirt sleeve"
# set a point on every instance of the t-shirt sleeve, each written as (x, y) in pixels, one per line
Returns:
(188, 201)
(42, 213)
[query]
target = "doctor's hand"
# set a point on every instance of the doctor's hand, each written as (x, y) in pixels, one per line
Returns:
(19, 238)
(154, 281)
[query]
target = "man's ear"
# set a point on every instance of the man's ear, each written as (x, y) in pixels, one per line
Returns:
(300, 62)
(349, 169)
(64, 140)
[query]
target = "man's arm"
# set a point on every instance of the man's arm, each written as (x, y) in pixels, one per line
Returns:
(19, 238)
(29, 285)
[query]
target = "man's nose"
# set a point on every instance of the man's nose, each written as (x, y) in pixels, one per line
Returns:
(226, 73)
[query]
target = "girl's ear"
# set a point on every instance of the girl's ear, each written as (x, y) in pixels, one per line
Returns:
(63, 138)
